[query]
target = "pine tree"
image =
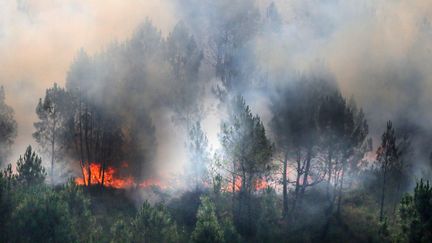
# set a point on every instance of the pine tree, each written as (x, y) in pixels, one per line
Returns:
(8, 127)
(387, 158)
(232, 30)
(269, 230)
(249, 151)
(30, 169)
(184, 58)
(198, 155)
(53, 112)
(207, 228)
(297, 132)
(415, 213)
(154, 224)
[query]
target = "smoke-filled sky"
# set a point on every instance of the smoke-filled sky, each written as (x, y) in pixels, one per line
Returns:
(40, 38)
(379, 51)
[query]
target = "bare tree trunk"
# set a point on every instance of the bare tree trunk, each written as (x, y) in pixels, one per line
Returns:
(329, 171)
(53, 133)
(86, 130)
(340, 189)
(337, 175)
(297, 184)
(285, 187)
(396, 203)
(250, 188)
(383, 195)
(81, 142)
(306, 171)
(81, 164)
(103, 174)
(233, 187)
(234, 178)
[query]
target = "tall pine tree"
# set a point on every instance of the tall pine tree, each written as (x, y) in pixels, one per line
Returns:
(247, 147)
(30, 169)
(8, 127)
(53, 113)
(387, 158)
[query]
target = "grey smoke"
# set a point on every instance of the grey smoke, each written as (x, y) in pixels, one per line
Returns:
(379, 52)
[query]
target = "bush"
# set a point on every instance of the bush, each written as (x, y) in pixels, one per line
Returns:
(415, 213)
(41, 216)
(207, 228)
(30, 169)
(154, 224)
(121, 231)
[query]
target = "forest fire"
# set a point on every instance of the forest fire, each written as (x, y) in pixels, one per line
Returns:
(259, 184)
(109, 178)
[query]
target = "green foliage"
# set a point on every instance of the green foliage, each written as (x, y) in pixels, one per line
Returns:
(207, 228)
(104, 115)
(415, 214)
(53, 112)
(34, 212)
(198, 155)
(245, 142)
(79, 207)
(268, 226)
(121, 231)
(154, 224)
(5, 204)
(249, 152)
(184, 209)
(30, 169)
(41, 216)
(389, 166)
(359, 213)
(8, 127)
(384, 231)
(184, 58)
(230, 233)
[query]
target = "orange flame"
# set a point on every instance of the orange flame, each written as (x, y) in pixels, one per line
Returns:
(259, 184)
(111, 179)
(151, 182)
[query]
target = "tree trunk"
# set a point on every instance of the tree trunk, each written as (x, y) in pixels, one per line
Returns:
(329, 171)
(396, 203)
(234, 180)
(103, 174)
(52, 150)
(86, 130)
(340, 189)
(307, 170)
(297, 184)
(233, 186)
(285, 187)
(81, 164)
(81, 141)
(383, 195)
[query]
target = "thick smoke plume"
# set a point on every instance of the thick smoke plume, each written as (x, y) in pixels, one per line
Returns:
(379, 52)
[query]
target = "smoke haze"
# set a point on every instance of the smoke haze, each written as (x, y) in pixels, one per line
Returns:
(378, 51)
(39, 40)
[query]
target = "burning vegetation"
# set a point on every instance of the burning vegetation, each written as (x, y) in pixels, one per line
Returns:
(258, 185)
(110, 177)
(259, 142)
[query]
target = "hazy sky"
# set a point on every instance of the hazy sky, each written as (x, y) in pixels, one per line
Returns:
(39, 39)
(380, 51)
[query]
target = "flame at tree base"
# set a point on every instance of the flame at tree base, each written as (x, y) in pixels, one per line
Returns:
(109, 178)
(258, 184)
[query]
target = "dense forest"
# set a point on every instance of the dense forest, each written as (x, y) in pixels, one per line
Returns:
(295, 157)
